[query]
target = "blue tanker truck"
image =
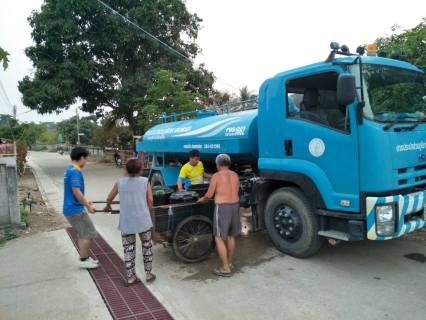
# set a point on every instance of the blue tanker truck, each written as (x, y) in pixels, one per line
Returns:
(331, 150)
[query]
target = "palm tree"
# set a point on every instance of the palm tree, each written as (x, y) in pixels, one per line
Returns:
(246, 94)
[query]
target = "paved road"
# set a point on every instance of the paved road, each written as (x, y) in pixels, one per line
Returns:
(357, 280)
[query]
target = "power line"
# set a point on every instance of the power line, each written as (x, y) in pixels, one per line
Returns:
(6, 105)
(150, 37)
(146, 34)
(227, 84)
(3, 104)
(4, 95)
(5, 99)
(25, 112)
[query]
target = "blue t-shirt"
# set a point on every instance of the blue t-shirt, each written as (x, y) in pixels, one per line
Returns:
(72, 178)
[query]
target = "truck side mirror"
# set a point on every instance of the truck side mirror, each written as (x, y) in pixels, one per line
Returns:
(346, 89)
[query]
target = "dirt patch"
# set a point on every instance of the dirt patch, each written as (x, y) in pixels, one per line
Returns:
(40, 218)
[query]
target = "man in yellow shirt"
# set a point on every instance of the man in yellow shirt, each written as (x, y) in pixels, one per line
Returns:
(192, 172)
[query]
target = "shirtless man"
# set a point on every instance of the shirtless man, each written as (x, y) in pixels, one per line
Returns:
(225, 185)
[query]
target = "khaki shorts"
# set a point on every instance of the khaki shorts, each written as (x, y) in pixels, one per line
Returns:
(83, 225)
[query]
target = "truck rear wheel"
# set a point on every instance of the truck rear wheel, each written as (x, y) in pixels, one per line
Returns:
(157, 180)
(291, 223)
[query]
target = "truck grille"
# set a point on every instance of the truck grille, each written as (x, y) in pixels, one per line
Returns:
(412, 176)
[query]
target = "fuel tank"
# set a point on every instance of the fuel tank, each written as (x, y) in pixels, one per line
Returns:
(235, 134)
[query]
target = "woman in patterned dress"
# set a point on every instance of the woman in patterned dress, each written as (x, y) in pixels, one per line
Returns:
(136, 201)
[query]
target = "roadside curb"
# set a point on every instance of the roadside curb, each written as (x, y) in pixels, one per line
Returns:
(40, 175)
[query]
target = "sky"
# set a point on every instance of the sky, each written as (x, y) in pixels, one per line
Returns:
(243, 42)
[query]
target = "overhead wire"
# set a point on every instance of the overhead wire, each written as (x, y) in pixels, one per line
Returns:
(152, 38)
(25, 112)
(6, 106)
(146, 34)
(3, 95)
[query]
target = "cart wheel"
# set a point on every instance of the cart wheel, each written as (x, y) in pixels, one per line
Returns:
(193, 239)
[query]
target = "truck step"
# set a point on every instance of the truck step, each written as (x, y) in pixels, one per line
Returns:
(335, 234)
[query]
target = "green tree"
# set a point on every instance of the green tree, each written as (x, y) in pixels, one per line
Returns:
(14, 131)
(246, 94)
(82, 52)
(410, 43)
(34, 132)
(4, 119)
(168, 95)
(3, 57)
(48, 137)
(68, 129)
(119, 137)
(17, 132)
(50, 126)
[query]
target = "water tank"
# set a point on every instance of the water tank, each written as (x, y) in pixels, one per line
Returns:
(234, 134)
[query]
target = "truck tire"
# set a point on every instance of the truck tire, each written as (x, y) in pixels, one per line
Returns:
(193, 239)
(291, 223)
(157, 180)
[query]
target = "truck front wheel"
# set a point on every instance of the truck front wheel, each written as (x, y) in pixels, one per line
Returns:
(291, 223)
(157, 180)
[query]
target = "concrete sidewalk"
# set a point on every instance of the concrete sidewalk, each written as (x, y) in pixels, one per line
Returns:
(39, 278)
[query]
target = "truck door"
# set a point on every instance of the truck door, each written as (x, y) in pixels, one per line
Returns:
(320, 138)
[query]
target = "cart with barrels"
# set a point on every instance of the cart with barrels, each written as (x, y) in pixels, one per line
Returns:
(182, 222)
(185, 224)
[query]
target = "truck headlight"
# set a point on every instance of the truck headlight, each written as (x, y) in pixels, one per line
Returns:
(385, 213)
(385, 219)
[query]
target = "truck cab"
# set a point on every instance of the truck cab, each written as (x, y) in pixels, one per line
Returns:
(358, 162)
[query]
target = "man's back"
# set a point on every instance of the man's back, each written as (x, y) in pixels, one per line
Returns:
(227, 186)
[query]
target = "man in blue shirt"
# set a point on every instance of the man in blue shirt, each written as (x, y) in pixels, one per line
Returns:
(74, 203)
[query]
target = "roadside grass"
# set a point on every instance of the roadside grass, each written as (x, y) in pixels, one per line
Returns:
(104, 159)
(39, 148)
(25, 217)
(8, 235)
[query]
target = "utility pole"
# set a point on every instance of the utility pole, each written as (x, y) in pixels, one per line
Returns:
(78, 130)
(14, 141)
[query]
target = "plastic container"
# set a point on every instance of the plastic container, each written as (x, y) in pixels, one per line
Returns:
(201, 189)
(161, 196)
(183, 196)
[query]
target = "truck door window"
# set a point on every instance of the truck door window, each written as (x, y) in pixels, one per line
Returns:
(314, 99)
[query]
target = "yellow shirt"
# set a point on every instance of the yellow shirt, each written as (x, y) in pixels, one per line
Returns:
(191, 175)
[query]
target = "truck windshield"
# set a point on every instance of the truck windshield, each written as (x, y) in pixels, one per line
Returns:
(393, 94)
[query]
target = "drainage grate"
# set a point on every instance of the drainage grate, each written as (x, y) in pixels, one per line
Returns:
(135, 302)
